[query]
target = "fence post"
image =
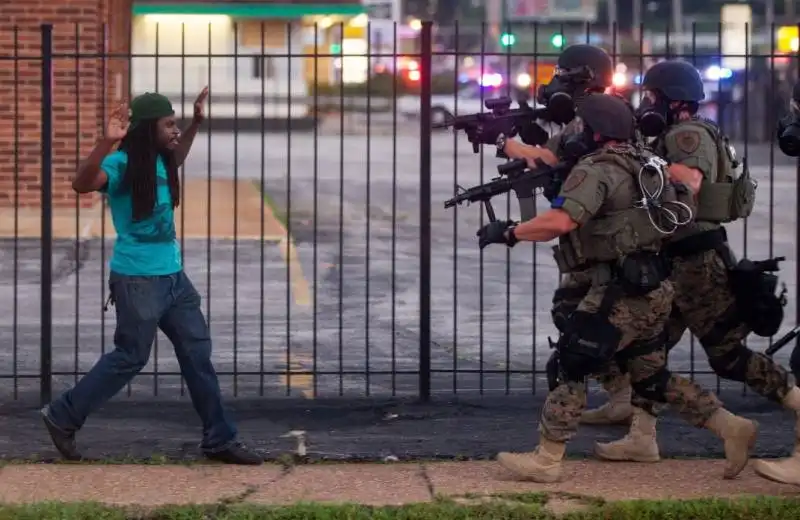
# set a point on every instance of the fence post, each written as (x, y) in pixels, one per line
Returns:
(426, 51)
(46, 345)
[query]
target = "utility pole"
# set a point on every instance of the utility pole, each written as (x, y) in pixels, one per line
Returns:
(677, 23)
(769, 13)
(637, 19)
(612, 22)
(494, 15)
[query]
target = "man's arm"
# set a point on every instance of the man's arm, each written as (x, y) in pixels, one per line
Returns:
(185, 144)
(187, 138)
(693, 155)
(90, 176)
(690, 177)
(517, 150)
(581, 197)
(545, 227)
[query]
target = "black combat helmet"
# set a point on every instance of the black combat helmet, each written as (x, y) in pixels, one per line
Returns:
(608, 116)
(593, 58)
(677, 80)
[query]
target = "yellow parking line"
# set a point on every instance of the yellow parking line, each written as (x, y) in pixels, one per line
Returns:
(301, 295)
(300, 286)
(302, 382)
(300, 289)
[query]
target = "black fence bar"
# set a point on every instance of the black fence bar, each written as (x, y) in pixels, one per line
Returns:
(426, 50)
(399, 300)
(46, 352)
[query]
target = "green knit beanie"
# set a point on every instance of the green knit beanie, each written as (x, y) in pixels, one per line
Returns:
(149, 106)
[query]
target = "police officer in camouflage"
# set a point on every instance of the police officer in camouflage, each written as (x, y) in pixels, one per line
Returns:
(788, 469)
(610, 216)
(583, 70)
(701, 262)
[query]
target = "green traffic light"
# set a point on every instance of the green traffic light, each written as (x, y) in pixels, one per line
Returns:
(508, 39)
(558, 40)
(336, 48)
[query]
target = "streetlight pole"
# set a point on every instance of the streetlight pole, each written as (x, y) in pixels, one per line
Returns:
(677, 23)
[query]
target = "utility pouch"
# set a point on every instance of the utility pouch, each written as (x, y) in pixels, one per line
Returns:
(565, 257)
(743, 195)
(638, 274)
(754, 289)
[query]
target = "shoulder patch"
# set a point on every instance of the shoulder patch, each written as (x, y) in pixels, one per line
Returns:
(688, 140)
(574, 180)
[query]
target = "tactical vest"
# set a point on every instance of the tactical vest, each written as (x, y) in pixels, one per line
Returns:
(621, 230)
(731, 194)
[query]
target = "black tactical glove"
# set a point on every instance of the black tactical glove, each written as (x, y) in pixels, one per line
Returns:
(495, 233)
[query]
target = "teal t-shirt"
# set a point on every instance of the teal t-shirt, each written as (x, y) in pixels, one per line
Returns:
(148, 247)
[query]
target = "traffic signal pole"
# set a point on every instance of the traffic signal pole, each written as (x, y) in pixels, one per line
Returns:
(494, 15)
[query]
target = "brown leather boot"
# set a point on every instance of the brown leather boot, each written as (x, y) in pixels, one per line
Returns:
(639, 445)
(739, 436)
(786, 471)
(542, 465)
(618, 409)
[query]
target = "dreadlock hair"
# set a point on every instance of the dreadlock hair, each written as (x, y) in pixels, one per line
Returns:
(141, 145)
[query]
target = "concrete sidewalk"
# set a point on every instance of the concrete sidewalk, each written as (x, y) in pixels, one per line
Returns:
(370, 484)
(221, 208)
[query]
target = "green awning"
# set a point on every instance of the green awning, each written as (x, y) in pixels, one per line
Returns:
(255, 10)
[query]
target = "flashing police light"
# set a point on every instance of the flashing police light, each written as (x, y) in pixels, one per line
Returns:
(507, 39)
(558, 40)
(788, 39)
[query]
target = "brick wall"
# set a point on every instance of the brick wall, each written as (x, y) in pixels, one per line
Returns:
(83, 89)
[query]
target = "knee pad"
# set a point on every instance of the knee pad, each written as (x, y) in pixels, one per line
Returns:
(560, 313)
(565, 302)
(654, 388)
(590, 343)
(732, 365)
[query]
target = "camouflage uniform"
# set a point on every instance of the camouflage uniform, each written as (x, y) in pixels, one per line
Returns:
(703, 303)
(606, 193)
(572, 287)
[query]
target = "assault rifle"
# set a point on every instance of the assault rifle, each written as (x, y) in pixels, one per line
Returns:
(514, 176)
(794, 360)
(499, 112)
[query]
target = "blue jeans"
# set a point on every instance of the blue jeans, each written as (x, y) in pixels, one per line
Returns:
(143, 305)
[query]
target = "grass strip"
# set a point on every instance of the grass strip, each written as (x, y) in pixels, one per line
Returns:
(499, 507)
(272, 205)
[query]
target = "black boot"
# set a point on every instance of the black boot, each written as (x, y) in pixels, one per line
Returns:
(237, 453)
(63, 441)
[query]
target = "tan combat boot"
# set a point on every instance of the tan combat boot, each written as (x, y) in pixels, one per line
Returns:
(739, 436)
(786, 471)
(639, 445)
(542, 465)
(618, 409)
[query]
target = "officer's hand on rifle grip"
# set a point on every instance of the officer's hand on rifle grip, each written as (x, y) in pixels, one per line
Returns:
(497, 232)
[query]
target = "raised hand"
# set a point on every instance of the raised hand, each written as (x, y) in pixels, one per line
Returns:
(118, 123)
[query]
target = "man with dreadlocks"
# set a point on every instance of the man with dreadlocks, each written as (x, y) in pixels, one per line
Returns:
(147, 284)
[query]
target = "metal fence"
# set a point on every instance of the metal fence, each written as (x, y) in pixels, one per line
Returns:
(312, 220)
